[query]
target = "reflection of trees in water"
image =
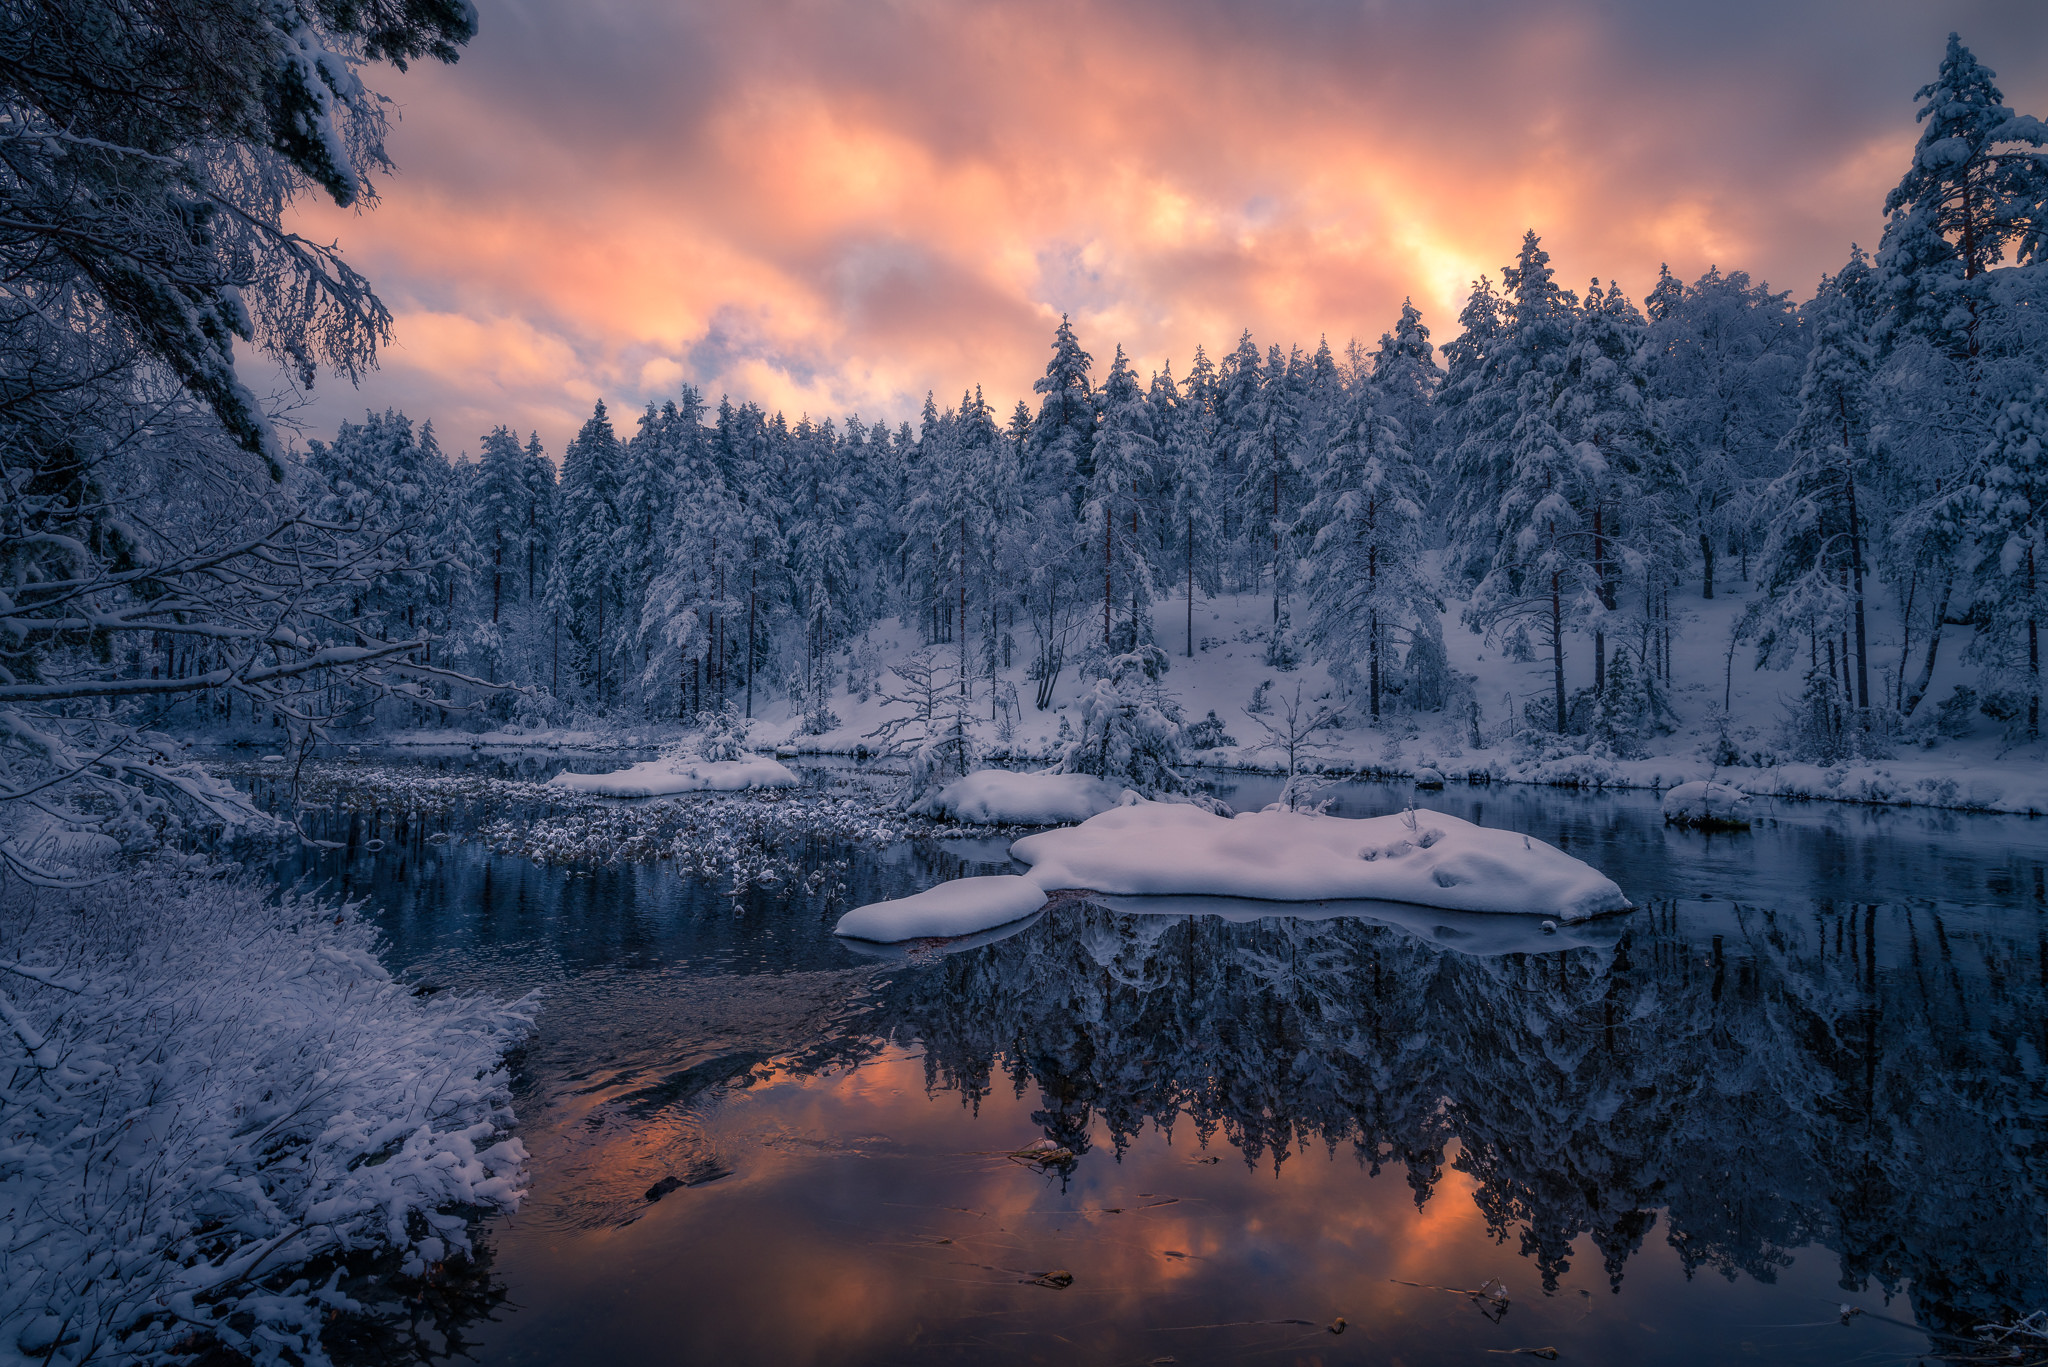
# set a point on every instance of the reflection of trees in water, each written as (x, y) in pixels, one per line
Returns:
(1780, 1086)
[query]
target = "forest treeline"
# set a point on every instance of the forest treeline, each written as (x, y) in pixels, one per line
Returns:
(1565, 469)
(1561, 469)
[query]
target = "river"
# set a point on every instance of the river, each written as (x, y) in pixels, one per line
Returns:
(1789, 1111)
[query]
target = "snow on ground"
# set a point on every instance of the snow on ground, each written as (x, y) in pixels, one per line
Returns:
(961, 907)
(993, 797)
(1430, 858)
(665, 777)
(210, 1085)
(1170, 849)
(1977, 771)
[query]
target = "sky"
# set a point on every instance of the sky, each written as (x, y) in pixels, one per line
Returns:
(833, 206)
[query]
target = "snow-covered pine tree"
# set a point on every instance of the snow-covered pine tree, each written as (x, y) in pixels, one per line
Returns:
(585, 590)
(1116, 511)
(1363, 533)
(1486, 399)
(1541, 572)
(2006, 513)
(1270, 435)
(1240, 415)
(1957, 340)
(1725, 361)
(1189, 525)
(1812, 568)
(821, 523)
(1063, 436)
(498, 508)
(1406, 377)
(1603, 407)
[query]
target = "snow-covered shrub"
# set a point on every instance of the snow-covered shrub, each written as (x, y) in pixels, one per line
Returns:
(1130, 730)
(1208, 733)
(1625, 711)
(1260, 705)
(207, 1087)
(724, 737)
(1281, 653)
(1952, 715)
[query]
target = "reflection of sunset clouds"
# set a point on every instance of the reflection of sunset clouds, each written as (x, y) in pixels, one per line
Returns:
(846, 1185)
(830, 207)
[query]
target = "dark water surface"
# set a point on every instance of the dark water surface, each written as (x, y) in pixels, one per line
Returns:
(1807, 1074)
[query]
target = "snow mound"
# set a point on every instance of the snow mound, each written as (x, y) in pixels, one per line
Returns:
(961, 907)
(1706, 804)
(1423, 857)
(662, 777)
(991, 797)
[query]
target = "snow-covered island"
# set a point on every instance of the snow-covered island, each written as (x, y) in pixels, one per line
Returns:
(1177, 849)
(666, 778)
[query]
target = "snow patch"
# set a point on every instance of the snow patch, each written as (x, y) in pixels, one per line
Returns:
(663, 777)
(1429, 858)
(991, 797)
(961, 907)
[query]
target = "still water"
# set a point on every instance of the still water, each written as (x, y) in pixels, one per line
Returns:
(1806, 1076)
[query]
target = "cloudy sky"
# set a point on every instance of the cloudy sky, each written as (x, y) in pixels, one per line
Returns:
(832, 206)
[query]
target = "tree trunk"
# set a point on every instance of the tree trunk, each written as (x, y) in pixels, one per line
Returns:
(1108, 530)
(2033, 655)
(1707, 562)
(1191, 586)
(1856, 568)
(963, 606)
(1557, 648)
(1373, 649)
(753, 583)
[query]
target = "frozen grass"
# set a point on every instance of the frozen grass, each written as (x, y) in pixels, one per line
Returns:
(207, 1087)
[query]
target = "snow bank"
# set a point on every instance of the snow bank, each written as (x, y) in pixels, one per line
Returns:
(1423, 857)
(996, 796)
(662, 777)
(209, 1086)
(1703, 803)
(961, 907)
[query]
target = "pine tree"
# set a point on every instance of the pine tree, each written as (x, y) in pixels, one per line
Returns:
(498, 512)
(1812, 566)
(1126, 461)
(1725, 360)
(1363, 532)
(1063, 437)
(1542, 571)
(586, 590)
(1603, 407)
(2006, 513)
(1474, 411)
(1978, 185)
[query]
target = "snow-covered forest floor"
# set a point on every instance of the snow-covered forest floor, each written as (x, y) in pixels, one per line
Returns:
(1980, 769)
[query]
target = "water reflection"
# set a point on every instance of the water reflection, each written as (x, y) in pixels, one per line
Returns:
(1809, 1072)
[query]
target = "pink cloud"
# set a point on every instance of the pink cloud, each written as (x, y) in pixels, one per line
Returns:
(827, 207)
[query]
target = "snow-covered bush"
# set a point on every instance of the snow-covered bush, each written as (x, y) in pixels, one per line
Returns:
(723, 737)
(208, 1086)
(1130, 729)
(1952, 715)
(1208, 733)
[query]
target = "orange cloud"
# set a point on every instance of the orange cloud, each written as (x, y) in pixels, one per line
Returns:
(829, 207)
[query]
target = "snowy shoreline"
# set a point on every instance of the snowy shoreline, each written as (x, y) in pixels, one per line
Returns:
(2017, 788)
